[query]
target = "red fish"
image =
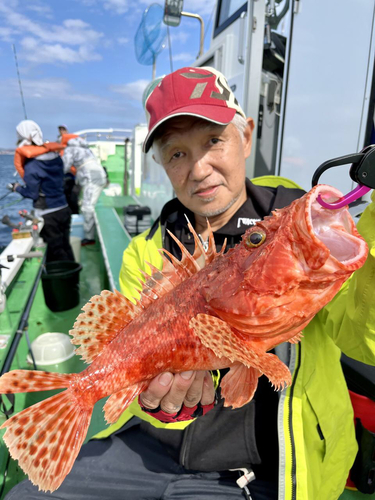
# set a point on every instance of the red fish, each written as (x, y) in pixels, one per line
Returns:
(208, 311)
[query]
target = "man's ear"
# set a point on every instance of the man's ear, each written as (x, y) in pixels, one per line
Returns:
(247, 136)
(155, 158)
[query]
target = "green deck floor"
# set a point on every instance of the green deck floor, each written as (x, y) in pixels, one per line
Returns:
(41, 320)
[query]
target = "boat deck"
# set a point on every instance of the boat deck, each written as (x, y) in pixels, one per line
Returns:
(100, 270)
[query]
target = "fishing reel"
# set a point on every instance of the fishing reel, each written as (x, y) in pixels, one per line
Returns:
(362, 171)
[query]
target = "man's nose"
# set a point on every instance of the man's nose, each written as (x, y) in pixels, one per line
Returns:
(200, 168)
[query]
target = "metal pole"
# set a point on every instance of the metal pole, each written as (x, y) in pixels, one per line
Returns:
(154, 68)
(19, 82)
(196, 16)
(126, 167)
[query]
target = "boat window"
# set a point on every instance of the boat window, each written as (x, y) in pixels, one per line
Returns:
(227, 12)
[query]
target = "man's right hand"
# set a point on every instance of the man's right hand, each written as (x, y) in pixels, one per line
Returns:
(181, 396)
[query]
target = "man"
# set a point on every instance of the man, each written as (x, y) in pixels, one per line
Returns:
(63, 129)
(90, 176)
(201, 137)
(42, 170)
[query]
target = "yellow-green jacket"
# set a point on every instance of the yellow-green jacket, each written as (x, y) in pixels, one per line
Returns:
(315, 419)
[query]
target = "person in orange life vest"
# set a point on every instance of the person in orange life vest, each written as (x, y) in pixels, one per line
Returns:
(63, 129)
(43, 178)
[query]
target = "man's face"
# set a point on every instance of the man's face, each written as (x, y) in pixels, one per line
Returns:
(205, 163)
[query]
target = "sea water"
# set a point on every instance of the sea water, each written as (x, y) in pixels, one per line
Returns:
(11, 204)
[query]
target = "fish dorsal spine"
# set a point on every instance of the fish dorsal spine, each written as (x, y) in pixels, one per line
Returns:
(105, 315)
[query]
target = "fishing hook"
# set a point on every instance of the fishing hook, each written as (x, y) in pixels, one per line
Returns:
(362, 171)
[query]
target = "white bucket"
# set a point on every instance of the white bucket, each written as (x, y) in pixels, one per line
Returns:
(54, 352)
(51, 348)
(75, 243)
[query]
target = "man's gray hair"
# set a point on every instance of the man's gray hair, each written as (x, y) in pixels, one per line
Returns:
(240, 123)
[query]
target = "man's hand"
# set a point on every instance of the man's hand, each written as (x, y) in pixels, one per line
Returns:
(12, 186)
(183, 396)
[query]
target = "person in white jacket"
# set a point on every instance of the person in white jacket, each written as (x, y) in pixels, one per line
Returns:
(91, 176)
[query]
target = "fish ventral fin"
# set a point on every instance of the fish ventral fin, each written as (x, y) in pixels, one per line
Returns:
(219, 336)
(239, 385)
(105, 315)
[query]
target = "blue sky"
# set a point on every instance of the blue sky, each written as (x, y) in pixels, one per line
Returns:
(77, 62)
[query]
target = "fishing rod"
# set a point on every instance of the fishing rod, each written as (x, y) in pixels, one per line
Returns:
(19, 81)
(11, 203)
(5, 195)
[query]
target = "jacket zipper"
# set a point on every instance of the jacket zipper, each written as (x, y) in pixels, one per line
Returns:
(294, 365)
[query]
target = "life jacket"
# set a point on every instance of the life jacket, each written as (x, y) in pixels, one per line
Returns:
(26, 152)
(66, 137)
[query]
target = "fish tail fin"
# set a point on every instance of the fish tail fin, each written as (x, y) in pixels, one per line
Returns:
(47, 437)
(33, 380)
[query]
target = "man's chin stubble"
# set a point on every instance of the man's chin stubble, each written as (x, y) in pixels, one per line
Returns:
(218, 211)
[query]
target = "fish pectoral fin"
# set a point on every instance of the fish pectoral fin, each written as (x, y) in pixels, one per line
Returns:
(239, 385)
(120, 400)
(219, 336)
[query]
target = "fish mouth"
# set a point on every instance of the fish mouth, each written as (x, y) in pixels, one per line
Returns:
(335, 229)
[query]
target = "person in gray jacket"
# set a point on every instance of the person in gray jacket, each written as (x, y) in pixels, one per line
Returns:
(91, 176)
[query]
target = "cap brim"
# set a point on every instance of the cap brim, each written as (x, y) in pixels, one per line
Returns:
(214, 114)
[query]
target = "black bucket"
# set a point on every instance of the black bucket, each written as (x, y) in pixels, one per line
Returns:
(60, 281)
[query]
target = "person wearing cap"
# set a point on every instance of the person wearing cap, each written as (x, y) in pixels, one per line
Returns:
(63, 129)
(42, 170)
(178, 441)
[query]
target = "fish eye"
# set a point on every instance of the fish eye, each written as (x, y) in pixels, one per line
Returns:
(255, 239)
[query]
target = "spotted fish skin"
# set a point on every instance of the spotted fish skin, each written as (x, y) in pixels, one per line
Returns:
(208, 311)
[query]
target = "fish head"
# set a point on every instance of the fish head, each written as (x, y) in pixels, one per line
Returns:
(288, 266)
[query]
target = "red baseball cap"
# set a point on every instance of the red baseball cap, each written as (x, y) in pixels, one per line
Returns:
(202, 92)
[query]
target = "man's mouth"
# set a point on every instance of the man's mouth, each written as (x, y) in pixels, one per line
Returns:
(206, 192)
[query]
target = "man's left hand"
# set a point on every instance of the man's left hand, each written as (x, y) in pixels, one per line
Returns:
(179, 397)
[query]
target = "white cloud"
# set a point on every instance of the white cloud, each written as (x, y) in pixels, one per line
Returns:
(35, 52)
(73, 41)
(178, 36)
(52, 89)
(119, 6)
(198, 7)
(133, 90)
(122, 40)
(40, 8)
(7, 34)
(184, 57)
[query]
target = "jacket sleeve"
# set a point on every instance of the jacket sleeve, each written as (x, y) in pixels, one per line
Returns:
(68, 159)
(134, 260)
(129, 272)
(32, 187)
(350, 317)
